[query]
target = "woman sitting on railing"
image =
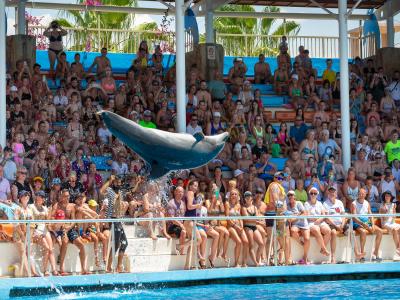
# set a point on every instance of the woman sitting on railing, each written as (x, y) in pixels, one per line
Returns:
(318, 228)
(235, 227)
(194, 203)
(215, 207)
(252, 229)
(299, 227)
(41, 234)
(388, 207)
(20, 234)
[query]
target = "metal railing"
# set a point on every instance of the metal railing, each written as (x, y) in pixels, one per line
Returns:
(319, 46)
(350, 233)
(127, 41)
(116, 40)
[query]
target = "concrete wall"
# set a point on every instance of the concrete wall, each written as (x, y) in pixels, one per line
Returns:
(146, 255)
(388, 58)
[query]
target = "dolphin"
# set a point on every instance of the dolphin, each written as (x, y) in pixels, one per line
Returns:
(165, 151)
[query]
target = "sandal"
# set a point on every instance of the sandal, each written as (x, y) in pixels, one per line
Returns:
(202, 265)
(211, 264)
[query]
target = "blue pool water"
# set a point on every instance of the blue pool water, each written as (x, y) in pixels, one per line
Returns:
(346, 289)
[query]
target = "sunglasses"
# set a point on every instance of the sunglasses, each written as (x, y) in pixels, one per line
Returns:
(291, 195)
(23, 173)
(313, 194)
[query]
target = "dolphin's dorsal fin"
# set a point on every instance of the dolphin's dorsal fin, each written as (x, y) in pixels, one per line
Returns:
(199, 136)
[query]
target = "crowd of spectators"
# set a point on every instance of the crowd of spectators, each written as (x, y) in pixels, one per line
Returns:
(54, 139)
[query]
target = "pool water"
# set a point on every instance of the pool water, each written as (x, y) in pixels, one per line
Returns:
(346, 289)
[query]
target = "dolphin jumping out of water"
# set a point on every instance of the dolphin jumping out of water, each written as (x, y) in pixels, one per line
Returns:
(165, 151)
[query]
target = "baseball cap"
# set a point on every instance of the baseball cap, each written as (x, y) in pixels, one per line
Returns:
(147, 113)
(23, 193)
(279, 174)
(13, 89)
(92, 203)
(60, 215)
(313, 189)
(295, 76)
(247, 194)
(56, 181)
(291, 192)
(332, 188)
(38, 178)
(237, 172)
(40, 194)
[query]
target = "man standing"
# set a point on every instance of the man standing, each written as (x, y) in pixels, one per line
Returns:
(114, 208)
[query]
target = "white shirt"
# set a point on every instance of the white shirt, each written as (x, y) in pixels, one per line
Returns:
(119, 169)
(394, 89)
(335, 209)
(192, 131)
(314, 209)
(60, 100)
(104, 134)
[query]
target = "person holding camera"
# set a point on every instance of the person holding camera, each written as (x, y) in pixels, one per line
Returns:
(54, 33)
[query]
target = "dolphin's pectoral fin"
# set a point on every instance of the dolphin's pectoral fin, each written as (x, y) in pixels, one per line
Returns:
(199, 136)
(157, 171)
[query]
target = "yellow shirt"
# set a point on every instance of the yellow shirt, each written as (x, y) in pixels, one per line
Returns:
(329, 75)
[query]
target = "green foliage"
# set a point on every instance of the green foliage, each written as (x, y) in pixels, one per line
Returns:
(89, 21)
(249, 37)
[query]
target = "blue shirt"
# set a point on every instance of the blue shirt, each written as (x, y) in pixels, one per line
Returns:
(298, 133)
(327, 148)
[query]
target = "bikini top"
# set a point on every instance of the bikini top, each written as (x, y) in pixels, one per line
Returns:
(55, 39)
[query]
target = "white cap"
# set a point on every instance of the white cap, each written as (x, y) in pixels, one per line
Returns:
(237, 172)
(295, 76)
(314, 189)
(13, 89)
(217, 114)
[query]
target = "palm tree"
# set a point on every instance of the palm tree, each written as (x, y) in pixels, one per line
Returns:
(89, 21)
(249, 37)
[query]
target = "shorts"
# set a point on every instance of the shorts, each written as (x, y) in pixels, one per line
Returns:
(391, 226)
(121, 242)
(269, 222)
(174, 230)
(364, 220)
(251, 227)
(72, 235)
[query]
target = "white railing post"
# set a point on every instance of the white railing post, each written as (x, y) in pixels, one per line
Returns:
(113, 247)
(274, 233)
(180, 66)
(28, 249)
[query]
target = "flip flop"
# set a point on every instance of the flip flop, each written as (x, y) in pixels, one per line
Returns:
(63, 274)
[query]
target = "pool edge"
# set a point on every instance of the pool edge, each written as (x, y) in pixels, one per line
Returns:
(18, 287)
